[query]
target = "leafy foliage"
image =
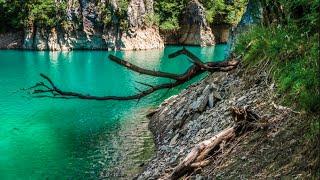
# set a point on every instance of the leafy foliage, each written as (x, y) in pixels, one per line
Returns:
(224, 12)
(217, 11)
(152, 19)
(289, 50)
(169, 12)
(121, 13)
(11, 14)
(47, 13)
(109, 15)
(106, 13)
(16, 14)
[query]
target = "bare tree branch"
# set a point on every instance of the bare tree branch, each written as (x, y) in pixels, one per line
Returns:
(42, 89)
(141, 70)
(193, 57)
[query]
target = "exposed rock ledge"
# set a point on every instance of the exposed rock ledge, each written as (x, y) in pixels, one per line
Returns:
(84, 29)
(194, 28)
(200, 112)
(142, 39)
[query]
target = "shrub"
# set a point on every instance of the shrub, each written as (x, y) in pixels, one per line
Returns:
(47, 13)
(152, 19)
(169, 12)
(224, 12)
(290, 52)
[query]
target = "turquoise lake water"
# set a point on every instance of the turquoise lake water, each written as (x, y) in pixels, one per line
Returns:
(80, 139)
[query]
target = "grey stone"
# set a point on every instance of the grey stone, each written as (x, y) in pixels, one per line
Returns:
(174, 139)
(199, 177)
(242, 98)
(217, 95)
(194, 28)
(211, 101)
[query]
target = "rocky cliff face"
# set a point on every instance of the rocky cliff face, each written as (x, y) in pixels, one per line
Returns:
(97, 24)
(194, 28)
(85, 29)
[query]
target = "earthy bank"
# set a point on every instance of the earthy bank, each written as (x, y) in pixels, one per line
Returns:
(276, 149)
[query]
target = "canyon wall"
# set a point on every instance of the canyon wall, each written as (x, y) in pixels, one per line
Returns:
(86, 30)
(119, 25)
(194, 28)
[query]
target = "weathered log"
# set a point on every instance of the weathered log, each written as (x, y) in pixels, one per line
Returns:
(198, 154)
(193, 57)
(244, 117)
(200, 164)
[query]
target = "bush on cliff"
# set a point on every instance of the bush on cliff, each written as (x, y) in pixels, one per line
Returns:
(224, 12)
(169, 12)
(17, 14)
(216, 11)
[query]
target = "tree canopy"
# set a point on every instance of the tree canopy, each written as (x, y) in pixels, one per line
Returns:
(16, 14)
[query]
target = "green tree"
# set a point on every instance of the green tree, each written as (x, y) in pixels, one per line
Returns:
(169, 12)
(16, 14)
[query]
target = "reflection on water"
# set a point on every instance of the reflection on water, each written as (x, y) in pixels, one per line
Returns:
(74, 139)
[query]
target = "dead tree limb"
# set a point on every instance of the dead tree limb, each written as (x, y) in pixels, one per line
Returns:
(193, 57)
(142, 70)
(244, 118)
(49, 89)
(197, 155)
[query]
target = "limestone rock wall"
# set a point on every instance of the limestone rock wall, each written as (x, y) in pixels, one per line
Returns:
(85, 29)
(194, 28)
(221, 33)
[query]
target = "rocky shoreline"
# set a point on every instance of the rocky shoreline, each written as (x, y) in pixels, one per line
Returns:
(199, 113)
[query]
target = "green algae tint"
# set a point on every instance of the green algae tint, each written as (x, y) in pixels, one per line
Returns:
(81, 139)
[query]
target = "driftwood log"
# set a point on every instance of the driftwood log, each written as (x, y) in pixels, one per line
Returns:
(49, 89)
(244, 118)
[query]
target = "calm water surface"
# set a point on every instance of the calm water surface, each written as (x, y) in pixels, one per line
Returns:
(80, 139)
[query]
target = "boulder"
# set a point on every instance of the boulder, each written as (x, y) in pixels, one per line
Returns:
(202, 101)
